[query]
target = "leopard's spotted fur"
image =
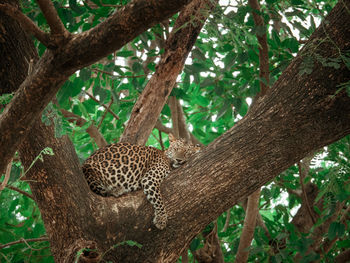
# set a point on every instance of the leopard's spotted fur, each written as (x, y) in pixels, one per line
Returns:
(122, 167)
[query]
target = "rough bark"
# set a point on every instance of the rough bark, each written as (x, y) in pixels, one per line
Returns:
(14, 66)
(298, 115)
(74, 52)
(177, 47)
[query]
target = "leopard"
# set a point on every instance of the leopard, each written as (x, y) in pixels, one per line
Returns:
(119, 168)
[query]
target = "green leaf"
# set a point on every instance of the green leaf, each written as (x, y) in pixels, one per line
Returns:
(297, 2)
(15, 173)
(77, 9)
(343, 243)
(198, 54)
(125, 53)
(85, 74)
(137, 67)
(194, 244)
(306, 66)
(336, 230)
(292, 44)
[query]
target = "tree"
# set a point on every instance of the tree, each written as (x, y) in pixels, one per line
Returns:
(306, 108)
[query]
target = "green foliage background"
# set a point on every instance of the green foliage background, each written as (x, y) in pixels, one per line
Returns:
(218, 82)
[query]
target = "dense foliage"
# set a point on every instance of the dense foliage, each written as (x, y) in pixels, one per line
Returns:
(218, 83)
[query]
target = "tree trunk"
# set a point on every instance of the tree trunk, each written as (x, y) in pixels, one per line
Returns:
(15, 64)
(73, 52)
(298, 115)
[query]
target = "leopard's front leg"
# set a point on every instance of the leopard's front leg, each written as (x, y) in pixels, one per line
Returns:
(151, 187)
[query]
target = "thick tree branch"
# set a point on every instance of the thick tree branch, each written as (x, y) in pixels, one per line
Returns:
(343, 257)
(55, 66)
(150, 103)
(26, 23)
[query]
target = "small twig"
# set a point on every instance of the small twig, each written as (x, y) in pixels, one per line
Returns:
(91, 130)
(7, 175)
(184, 256)
(115, 76)
(105, 113)
(103, 105)
(19, 191)
(263, 48)
(39, 239)
(227, 221)
(52, 18)
(27, 24)
(306, 200)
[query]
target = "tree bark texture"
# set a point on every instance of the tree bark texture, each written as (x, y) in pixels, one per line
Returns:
(14, 65)
(75, 52)
(177, 47)
(298, 115)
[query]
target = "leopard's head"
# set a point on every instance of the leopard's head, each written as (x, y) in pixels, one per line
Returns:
(180, 151)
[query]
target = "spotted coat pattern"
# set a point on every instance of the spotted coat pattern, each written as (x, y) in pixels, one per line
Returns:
(123, 167)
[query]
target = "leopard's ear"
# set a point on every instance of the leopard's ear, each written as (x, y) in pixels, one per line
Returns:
(171, 138)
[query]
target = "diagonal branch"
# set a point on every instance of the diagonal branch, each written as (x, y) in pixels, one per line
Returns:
(305, 198)
(20, 191)
(52, 18)
(249, 226)
(103, 105)
(26, 23)
(152, 100)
